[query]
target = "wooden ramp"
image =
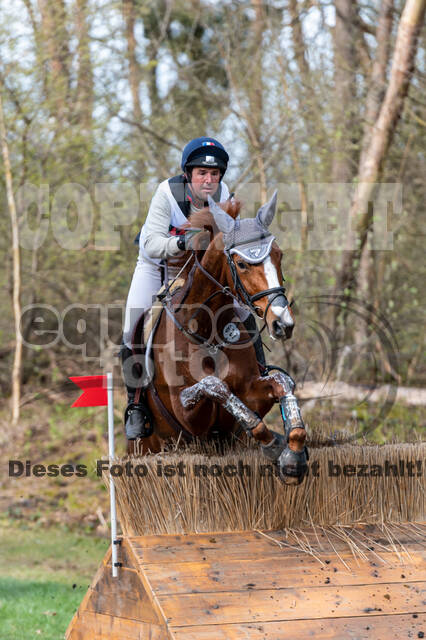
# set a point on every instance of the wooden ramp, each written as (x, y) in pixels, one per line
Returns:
(251, 585)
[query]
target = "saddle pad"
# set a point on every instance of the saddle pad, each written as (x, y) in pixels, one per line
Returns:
(153, 313)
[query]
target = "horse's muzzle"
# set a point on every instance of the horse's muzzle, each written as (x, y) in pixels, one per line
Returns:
(281, 331)
(282, 325)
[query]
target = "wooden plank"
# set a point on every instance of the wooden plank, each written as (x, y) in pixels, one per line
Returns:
(361, 628)
(204, 547)
(405, 533)
(300, 570)
(118, 601)
(124, 597)
(98, 626)
(292, 604)
(145, 582)
(201, 547)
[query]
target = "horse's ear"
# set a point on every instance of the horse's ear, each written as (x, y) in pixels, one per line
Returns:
(224, 221)
(266, 212)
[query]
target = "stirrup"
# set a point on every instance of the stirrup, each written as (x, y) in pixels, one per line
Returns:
(138, 421)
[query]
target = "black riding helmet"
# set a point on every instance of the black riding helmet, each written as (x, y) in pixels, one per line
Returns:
(204, 152)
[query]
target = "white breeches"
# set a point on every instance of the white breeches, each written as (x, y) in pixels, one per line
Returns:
(146, 283)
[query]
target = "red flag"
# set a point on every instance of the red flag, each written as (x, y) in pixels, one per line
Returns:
(94, 391)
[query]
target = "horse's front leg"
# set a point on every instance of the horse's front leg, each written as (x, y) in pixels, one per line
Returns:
(217, 390)
(293, 457)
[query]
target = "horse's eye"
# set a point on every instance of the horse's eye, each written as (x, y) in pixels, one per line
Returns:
(241, 265)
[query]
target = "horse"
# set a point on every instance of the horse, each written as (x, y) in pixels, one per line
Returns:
(205, 377)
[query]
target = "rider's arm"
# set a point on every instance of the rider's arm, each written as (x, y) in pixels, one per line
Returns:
(157, 242)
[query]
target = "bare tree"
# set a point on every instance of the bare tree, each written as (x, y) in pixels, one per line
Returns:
(381, 137)
(367, 278)
(55, 35)
(134, 77)
(344, 36)
(17, 362)
(84, 101)
(377, 85)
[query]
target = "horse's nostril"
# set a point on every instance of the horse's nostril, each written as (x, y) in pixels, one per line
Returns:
(278, 328)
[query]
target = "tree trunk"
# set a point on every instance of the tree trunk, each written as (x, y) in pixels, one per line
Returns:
(134, 70)
(298, 42)
(256, 94)
(306, 97)
(345, 125)
(381, 137)
(374, 99)
(38, 40)
(17, 362)
(134, 82)
(84, 109)
(377, 86)
(53, 16)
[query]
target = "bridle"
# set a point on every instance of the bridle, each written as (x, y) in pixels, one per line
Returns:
(248, 299)
(242, 296)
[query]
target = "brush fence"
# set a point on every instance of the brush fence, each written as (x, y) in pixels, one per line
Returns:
(185, 492)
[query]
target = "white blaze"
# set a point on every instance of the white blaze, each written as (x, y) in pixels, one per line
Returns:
(281, 312)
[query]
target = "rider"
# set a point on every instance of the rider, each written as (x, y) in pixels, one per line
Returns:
(204, 163)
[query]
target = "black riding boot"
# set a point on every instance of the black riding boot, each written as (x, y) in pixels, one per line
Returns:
(138, 421)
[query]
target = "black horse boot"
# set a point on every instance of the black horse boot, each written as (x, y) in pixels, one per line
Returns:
(138, 420)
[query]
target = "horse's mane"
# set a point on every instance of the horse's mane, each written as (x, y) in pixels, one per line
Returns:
(203, 219)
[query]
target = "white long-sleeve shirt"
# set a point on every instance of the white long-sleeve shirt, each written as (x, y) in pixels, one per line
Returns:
(155, 242)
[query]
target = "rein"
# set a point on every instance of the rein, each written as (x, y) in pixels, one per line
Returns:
(193, 336)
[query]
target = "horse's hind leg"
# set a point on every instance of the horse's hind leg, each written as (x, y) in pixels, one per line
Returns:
(217, 390)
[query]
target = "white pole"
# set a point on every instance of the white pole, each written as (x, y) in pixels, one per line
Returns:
(111, 454)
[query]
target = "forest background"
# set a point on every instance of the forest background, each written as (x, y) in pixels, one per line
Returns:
(307, 95)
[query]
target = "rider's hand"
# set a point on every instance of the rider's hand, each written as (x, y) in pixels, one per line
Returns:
(194, 240)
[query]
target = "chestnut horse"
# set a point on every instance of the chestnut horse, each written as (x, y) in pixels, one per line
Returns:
(206, 378)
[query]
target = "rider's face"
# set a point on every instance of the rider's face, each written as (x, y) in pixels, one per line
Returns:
(204, 182)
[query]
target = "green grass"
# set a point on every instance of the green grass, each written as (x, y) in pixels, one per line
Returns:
(44, 574)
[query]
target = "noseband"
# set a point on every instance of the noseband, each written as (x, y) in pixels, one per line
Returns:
(248, 299)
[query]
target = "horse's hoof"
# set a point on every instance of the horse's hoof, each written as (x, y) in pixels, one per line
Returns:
(293, 465)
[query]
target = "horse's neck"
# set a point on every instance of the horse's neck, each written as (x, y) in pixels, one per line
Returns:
(202, 287)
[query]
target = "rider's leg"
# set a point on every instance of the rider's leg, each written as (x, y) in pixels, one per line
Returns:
(145, 285)
(138, 420)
